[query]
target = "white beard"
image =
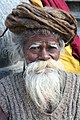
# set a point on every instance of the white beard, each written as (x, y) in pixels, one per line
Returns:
(43, 84)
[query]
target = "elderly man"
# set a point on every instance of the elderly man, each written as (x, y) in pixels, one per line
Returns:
(42, 91)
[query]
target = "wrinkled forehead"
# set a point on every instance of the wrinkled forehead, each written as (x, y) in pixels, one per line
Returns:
(41, 39)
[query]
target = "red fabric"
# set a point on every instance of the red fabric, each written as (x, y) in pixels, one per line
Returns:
(45, 3)
(61, 4)
(56, 4)
(76, 47)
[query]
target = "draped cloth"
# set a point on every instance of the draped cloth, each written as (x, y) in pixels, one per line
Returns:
(26, 16)
(61, 4)
(76, 47)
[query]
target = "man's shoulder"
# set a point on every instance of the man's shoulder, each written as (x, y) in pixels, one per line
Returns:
(9, 83)
(69, 75)
(10, 77)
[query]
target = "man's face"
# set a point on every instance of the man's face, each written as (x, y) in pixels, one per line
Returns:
(41, 73)
(40, 47)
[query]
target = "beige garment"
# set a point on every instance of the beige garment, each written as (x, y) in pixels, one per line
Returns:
(15, 100)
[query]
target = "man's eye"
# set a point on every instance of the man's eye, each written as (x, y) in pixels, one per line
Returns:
(34, 48)
(53, 47)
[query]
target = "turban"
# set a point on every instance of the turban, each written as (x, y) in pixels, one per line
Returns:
(27, 16)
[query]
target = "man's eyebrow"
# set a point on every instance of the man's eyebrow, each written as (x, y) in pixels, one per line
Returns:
(53, 44)
(34, 45)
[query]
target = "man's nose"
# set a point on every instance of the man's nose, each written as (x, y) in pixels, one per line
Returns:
(44, 55)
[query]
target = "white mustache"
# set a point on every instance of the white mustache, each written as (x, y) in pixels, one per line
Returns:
(39, 66)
